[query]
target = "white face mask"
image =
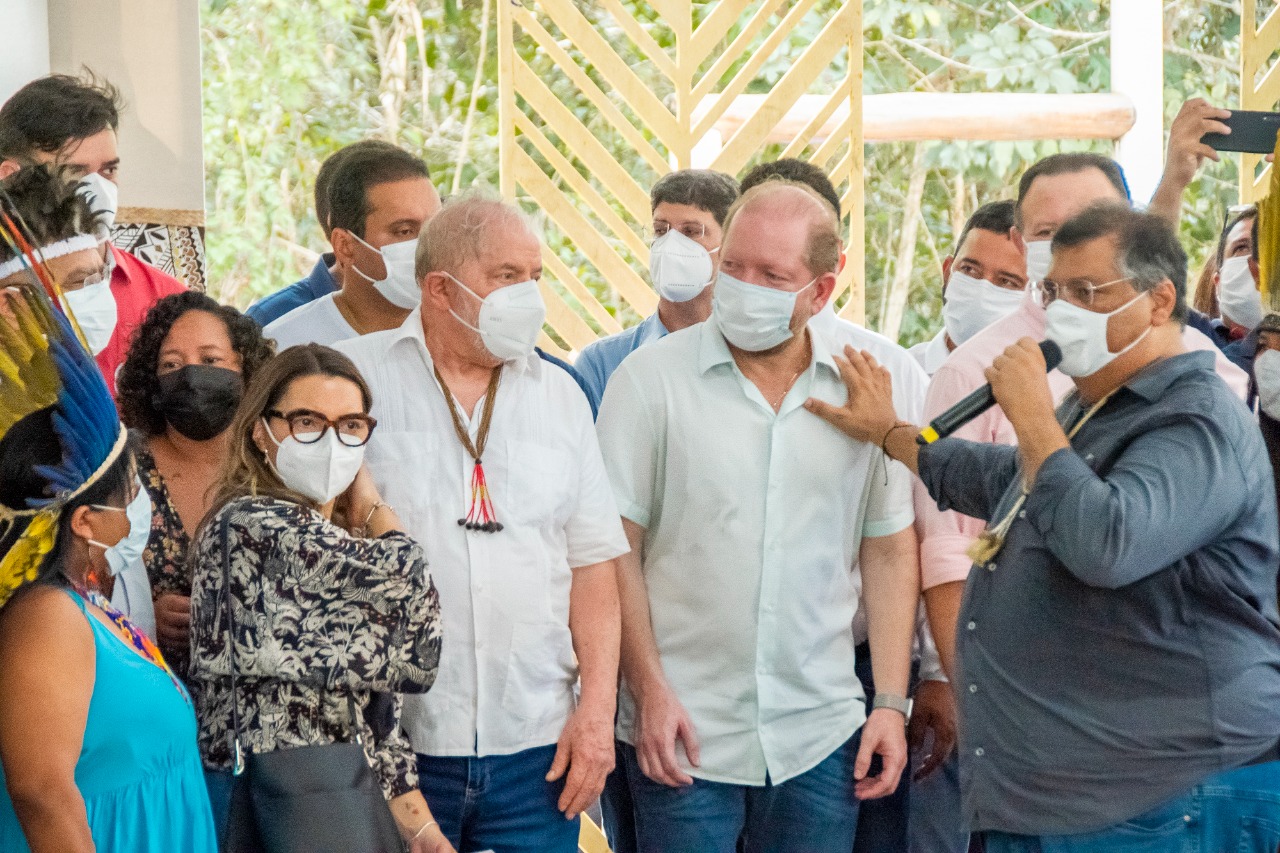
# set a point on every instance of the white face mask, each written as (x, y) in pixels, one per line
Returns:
(95, 311)
(679, 268)
(1266, 371)
(1038, 259)
(128, 551)
(1238, 294)
(510, 319)
(972, 304)
(104, 199)
(1082, 336)
(400, 287)
(321, 470)
(751, 317)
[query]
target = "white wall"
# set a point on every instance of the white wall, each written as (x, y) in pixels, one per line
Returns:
(1137, 70)
(26, 50)
(150, 49)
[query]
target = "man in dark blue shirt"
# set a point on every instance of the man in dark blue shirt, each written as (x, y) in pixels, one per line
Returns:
(320, 281)
(1118, 647)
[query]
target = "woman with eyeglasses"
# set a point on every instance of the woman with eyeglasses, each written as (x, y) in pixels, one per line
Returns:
(178, 389)
(332, 603)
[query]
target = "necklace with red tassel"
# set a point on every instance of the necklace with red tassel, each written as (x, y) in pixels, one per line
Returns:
(480, 514)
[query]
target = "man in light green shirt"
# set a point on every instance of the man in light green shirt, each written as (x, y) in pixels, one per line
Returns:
(747, 522)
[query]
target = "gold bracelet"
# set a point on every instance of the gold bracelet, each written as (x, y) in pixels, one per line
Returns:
(429, 823)
(364, 529)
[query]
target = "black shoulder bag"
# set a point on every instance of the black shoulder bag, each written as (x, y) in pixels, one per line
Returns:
(309, 799)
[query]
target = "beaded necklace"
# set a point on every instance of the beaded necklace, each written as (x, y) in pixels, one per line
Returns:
(480, 513)
(132, 635)
(984, 549)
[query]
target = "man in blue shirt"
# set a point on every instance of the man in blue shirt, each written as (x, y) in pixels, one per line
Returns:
(688, 208)
(320, 281)
(1118, 649)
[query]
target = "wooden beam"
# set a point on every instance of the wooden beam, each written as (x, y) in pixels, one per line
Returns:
(928, 116)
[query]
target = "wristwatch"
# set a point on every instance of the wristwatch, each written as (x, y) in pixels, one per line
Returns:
(895, 703)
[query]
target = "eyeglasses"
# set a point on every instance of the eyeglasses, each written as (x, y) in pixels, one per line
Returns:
(1077, 290)
(308, 427)
(91, 279)
(692, 230)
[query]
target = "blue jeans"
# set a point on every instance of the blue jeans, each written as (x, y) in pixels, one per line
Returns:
(616, 807)
(882, 823)
(815, 812)
(937, 823)
(1233, 812)
(500, 802)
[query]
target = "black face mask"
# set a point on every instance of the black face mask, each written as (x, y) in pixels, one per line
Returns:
(199, 400)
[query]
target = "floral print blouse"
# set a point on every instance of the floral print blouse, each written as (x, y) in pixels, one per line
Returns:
(165, 556)
(320, 615)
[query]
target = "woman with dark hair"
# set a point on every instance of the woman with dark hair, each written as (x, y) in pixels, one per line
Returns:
(97, 735)
(332, 621)
(178, 389)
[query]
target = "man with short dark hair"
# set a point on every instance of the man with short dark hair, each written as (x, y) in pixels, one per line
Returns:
(71, 123)
(1240, 297)
(1118, 661)
(982, 280)
(379, 198)
(321, 281)
(688, 210)
(1236, 280)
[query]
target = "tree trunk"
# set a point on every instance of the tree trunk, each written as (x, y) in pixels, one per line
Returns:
(896, 300)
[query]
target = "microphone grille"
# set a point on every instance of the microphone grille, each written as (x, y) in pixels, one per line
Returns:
(1052, 354)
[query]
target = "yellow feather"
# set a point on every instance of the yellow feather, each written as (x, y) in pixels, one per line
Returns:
(22, 563)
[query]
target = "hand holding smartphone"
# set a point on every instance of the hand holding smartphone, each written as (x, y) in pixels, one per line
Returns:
(1252, 132)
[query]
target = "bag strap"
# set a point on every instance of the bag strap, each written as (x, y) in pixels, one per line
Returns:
(237, 751)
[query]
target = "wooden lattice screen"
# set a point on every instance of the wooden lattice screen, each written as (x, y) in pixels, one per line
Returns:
(1259, 83)
(597, 102)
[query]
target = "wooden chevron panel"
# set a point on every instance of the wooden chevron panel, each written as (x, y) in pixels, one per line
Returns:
(596, 102)
(1259, 83)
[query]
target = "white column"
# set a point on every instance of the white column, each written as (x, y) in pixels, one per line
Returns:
(26, 48)
(150, 50)
(1137, 71)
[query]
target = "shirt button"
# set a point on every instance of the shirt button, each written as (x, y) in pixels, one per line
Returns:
(973, 688)
(972, 625)
(979, 752)
(1022, 514)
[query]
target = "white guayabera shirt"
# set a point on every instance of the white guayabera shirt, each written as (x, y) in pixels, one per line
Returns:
(753, 525)
(508, 671)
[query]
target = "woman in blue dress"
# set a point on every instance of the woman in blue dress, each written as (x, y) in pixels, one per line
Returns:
(97, 737)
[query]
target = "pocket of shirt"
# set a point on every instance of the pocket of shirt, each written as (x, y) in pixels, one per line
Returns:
(536, 485)
(541, 669)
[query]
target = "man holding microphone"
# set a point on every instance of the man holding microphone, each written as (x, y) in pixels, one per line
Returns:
(1118, 651)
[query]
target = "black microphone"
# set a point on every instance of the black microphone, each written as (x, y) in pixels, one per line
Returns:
(977, 403)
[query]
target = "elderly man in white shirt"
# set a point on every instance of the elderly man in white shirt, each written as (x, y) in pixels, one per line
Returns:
(491, 459)
(740, 704)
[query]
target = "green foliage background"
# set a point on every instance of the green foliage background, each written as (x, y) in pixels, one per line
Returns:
(285, 85)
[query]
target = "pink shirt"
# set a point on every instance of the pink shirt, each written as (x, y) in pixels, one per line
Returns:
(945, 536)
(136, 286)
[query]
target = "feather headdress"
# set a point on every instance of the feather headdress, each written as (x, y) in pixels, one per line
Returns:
(44, 364)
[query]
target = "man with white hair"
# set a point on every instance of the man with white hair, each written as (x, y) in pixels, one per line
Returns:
(745, 720)
(490, 455)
